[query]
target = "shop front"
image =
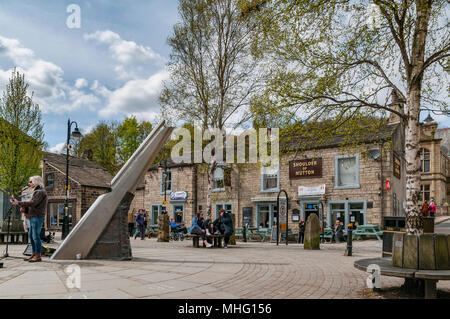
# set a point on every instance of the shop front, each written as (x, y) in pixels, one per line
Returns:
(347, 211)
(178, 202)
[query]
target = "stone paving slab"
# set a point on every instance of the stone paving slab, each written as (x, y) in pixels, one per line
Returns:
(176, 270)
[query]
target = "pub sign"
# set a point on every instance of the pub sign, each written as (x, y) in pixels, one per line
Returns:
(305, 168)
(397, 166)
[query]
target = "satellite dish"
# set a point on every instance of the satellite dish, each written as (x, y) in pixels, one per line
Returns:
(374, 154)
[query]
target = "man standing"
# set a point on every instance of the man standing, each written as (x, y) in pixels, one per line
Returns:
(301, 231)
(140, 224)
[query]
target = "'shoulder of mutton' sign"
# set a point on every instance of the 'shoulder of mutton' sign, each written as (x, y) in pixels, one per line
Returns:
(305, 168)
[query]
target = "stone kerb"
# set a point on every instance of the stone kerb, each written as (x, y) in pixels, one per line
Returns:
(424, 252)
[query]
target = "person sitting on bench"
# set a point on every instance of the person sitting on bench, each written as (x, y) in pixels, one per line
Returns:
(198, 227)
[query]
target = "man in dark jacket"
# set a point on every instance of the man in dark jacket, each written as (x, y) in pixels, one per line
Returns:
(140, 224)
(301, 231)
(338, 232)
(227, 225)
(37, 207)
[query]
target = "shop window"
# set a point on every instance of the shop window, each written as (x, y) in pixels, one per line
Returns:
(347, 171)
(178, 213)
(218, 180)
(424, 160)
(356, 213)
(168, 179)
(56, 212)
(425, 193)
(156, 211)
(270, 179)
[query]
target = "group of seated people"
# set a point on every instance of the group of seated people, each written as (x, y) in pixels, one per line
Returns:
(205, 228)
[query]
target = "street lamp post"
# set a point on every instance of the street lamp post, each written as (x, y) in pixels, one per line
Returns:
(75, 134)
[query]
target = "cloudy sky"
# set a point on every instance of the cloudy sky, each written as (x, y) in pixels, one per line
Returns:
(110, 67)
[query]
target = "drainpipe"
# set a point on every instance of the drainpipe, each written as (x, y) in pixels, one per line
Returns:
(381, 181)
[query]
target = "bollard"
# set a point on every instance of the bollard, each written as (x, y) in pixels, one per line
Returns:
(349, 242)
(244, 233)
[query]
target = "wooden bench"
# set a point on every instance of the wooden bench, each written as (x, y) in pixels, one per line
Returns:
(14, 237)
(291, 235)
(430, 277)
(217, 239)
(367, 230)
(151, 230)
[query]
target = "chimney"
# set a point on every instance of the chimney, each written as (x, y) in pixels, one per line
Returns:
(397, 106)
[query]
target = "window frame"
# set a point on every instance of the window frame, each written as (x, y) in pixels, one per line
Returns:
(168, 191)
(423, 160)
(336, 171)
(218, 189)
(269, 190)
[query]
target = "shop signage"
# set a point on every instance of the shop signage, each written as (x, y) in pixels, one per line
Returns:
(315, 190)
(182, 195)
(397, 166)
(388, 184)
(305, 168)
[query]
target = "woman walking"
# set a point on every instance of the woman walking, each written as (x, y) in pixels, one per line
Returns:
(37, 207)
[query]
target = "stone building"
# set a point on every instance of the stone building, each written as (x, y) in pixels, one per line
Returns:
(350, 186)
(87, 181)
(361, 185)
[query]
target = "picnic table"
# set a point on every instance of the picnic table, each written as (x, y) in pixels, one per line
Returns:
(367, 230)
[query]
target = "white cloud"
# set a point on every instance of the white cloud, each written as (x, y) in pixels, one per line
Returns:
(58, 149)
(136, 97)
(125, 52)
(81, 83)
(51, 92)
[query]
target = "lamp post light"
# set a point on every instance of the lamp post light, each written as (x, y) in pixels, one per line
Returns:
(163, 168)
(76, 134)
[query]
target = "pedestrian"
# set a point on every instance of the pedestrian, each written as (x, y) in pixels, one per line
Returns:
(37, 207)
(227, 225)
(425, 208)
(301, 231)
(130, 223)
(432, 208)
(140, 228)
(338, 232)
(198, 227)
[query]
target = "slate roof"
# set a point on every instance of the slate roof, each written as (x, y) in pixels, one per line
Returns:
(83, 171)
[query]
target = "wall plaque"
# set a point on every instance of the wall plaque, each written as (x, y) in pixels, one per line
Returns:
(305, 168)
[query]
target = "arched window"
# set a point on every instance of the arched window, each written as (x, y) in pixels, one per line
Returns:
(424, 160)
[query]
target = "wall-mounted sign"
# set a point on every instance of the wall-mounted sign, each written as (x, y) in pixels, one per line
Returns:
(315, 190)
(181, 195)
(388, 184)
(397, 166)
(305, 168)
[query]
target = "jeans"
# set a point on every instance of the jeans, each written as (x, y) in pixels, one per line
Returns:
(35, 233)
(140, 229)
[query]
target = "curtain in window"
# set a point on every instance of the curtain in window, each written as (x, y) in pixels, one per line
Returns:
(347, 171)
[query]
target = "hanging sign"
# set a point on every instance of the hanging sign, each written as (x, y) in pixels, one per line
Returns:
(182, 195)
(388, 184)
(397, 166)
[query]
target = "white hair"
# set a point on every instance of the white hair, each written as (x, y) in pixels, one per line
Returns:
(37, 180)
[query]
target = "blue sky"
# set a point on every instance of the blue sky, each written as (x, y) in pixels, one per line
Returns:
(111, 67)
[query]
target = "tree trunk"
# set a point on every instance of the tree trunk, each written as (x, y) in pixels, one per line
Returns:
(414, 218)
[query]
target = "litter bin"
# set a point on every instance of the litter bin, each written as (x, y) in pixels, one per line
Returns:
(391, 225)
(428, 225)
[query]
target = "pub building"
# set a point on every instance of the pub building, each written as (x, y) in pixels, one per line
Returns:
(360, 185)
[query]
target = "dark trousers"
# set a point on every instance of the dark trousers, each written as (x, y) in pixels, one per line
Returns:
(199, 232)
(301, 237)
(140, 229)
(130, 228)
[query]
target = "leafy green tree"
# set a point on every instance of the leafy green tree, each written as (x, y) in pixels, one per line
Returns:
(21, 135)
(131, 134)
(343, 60)
(212, 73)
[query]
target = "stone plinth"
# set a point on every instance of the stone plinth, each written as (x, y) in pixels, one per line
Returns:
(114, 242)
(312, 233)
(163, 228)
